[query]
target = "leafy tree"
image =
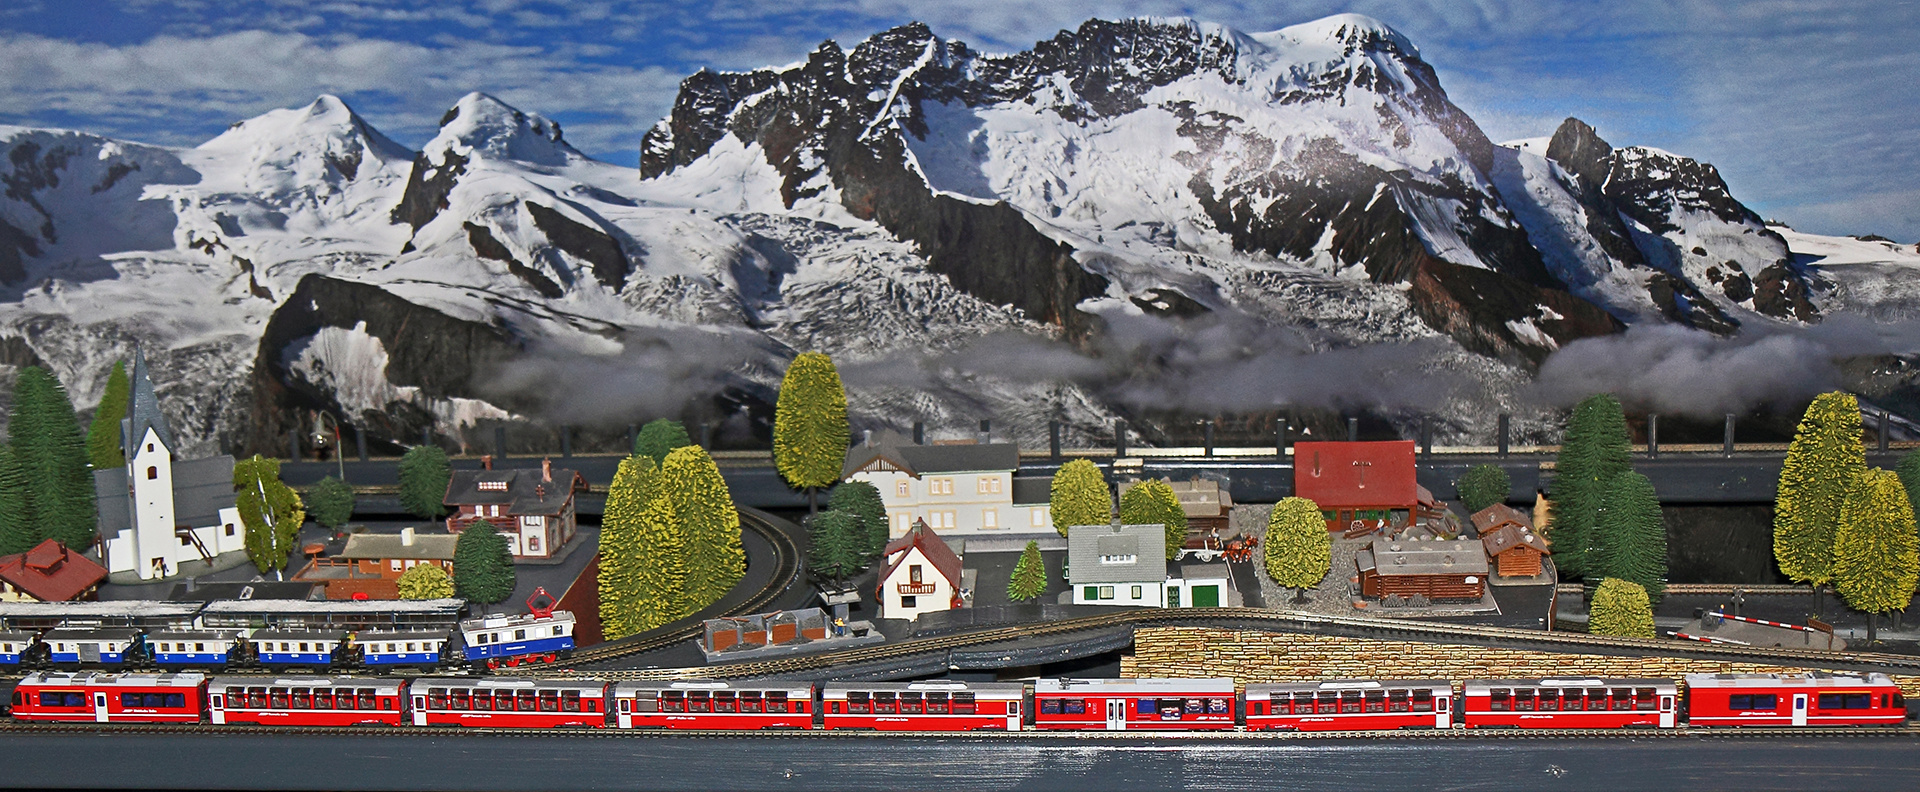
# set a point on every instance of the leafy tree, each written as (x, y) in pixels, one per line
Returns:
(52, 456)
(659, 437)
(1620, 608)
(103, 436)
(1826, 458)
(18, 534)
(861, 499)
(1482, 486)
(271, 511)
(1080, 496)
(1299, 550)
(331, 502)
(424, 475)
(1595, 450)
(662, 568)
(1029, 577)
(1152, 502)
(834, 540)
(810, 430)
(691, 484)
(425, 581)
(482, 564)
(635, 486)
(1876, 562)
(1909, 471)
(1633, 535)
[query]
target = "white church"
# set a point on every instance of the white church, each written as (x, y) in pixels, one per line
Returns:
(157, 513)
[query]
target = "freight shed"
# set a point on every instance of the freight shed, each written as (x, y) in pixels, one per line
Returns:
(1437, 570)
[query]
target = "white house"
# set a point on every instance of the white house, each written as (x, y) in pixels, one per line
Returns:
(921, 575)
(1118, 564)
(955, 488)
(156, 513)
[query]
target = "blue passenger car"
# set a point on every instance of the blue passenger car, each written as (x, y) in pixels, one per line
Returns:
(103, 646)
(13, 644)
(297, 647)
(199, 648)
(405, 647)
(499, 639)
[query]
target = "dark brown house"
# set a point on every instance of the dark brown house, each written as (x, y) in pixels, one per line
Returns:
(532, 508)
(1438, 569)
(1512, 547)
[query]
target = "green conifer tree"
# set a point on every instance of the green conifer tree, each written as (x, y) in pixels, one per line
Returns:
(1633, 535)
(482, 564)
(635, 485)
(834, 539)
(1620, 608)
(1029, 577)
(52, 454)
(658, 438)
(716, 560)
(1595, 450)
(1825, 460)
(18, 533)
(1152, 502)
(331, 503)
(425, 581)
(810, 429)
(1299, 550)
(1482, 486)
(103, 436)
(663, 565)
(1876, 558)
(1909, 472)
(861, 499)
(1079, 496)
(424, 474)
(270, 511)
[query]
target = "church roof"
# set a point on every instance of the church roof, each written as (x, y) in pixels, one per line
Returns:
(201, 489)
(143, 407)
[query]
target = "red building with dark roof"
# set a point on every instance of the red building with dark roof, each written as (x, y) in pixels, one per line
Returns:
(49, 573)
(1357, 482)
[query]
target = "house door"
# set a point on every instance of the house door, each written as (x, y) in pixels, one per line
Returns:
(1116, 714)
(1799, 709)
(100, 707)
(1206, 596)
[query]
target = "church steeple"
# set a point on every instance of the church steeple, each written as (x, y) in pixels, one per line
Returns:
(143, 408)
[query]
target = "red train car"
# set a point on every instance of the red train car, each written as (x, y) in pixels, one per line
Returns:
(1133, 704)
(306, 701)
(109, 698)
(1817, 699)
(922, 706)
(505, 703)
(713, 705)
(1581, 703)
(1340, 705)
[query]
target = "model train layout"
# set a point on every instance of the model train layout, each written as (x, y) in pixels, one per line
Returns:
(1110, 705)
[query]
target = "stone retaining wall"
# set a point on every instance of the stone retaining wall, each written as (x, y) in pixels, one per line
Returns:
(1254, 656)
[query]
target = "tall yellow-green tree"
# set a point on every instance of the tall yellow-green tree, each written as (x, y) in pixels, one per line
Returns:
(691, 483)
(1621, 608)
(1876, 562)
(1299, 551)
(1079, 496)
(1152, 502)
(662, 566)
(1826, 459)
(635, 484)
(810, 430)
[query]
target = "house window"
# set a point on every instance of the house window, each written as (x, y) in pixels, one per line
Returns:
(940, 519)
(1039, 518)
(1106, 592)
(149, 446)
(990, 519)
(913, 573)
(394, 564)
(1136, 592)
(940, 486)
(533, 544)
(902, 489)
(152, 472)
(909, 602)
(988, 485)
(186, 540)
(1119, 559)
(229, 529)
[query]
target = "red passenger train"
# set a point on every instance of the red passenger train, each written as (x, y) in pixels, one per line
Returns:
(1133, 704)
(1347, 705)
(1810, 700)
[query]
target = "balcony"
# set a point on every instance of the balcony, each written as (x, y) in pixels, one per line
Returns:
(914, 589)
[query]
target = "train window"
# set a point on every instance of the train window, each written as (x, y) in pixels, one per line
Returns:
(1423, 701)
(303, 699)
(1643, 699)
(910, 703)
(883, 703)
(1596, 698)
(1899, 702)
(528, 701)
(1858, 700)
(277, 698)
(1549, 700)
(644, 703)
(1350, 701)
(937, 703)
(1075, 706)
(1219, 707)
(460, 699)
(1500, 700)
(699, 701)
(1623, 698)
(857, 702)
(257, 698)
(570, 701)
(1829, 701)
(519, 635)
(366, 699)
(1523, 700)
(129, 699)
(723, 701)
(323, 699)
(963, 703)
(1327, 703)
(1396, 701)
(1376, 701)
(50, 699)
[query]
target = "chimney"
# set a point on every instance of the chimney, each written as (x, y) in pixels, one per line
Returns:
(868, 440)
(406, 536)
(546, 469)
(486, 462)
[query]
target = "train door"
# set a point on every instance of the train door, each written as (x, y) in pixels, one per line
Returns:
(420, 708)
(1116, 714)
(1013, 715)
(1799, 709)
(99, 707)
(1666, 712)
(1442, 718)
(216, 707)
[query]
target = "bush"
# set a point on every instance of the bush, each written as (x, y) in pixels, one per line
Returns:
(1620, 608)
(1482, 486)
(425, 581)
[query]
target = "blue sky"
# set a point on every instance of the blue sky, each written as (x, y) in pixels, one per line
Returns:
(1810, 109)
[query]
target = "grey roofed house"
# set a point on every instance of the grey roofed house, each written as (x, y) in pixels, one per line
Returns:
(1416, 557)
(201, 488)
(1032, 490)
(917, 460)
(419, 546)
(1087, 545)
(524, 491)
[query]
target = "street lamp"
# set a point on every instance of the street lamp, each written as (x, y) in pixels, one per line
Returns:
(339, 453)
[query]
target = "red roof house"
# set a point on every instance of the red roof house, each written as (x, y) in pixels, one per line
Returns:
(49, 573)
(922, 575)
(1356, 482)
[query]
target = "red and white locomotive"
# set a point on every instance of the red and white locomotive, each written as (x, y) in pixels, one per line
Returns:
(1800, 700)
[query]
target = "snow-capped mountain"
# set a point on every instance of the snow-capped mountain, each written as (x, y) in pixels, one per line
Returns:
(1147, 219)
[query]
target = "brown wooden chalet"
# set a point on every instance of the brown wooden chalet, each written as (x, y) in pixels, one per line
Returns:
(1361, 484)
(370, 566)
(1509, 540)
(532, 508)
(49, 573)
(1437, 569)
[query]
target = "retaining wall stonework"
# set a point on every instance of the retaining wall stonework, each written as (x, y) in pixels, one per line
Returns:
(1253, 656)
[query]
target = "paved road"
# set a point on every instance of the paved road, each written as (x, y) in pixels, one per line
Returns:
(1099, 764)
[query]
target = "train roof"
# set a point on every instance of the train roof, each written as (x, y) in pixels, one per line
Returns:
(298, 635)
(987, 689)
(97, 609)
(268, 607)
(512, 683)
(1343, 685)
(379, 684)
(107, 679)
(1482, 685)
(1784, 680)
(495, 621)
(388, 635)
(92, 633)
(189, 635)
(1139, 686)
(714, 684)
